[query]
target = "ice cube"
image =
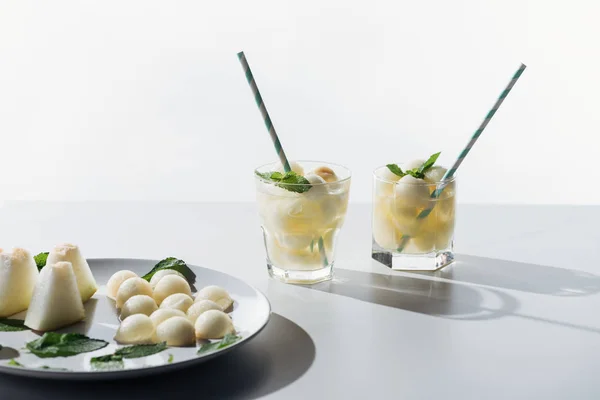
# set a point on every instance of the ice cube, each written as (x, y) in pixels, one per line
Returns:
(435, 174)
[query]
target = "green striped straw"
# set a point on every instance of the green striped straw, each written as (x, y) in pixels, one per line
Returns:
(269, 124)
(450, 173)
(263, 111)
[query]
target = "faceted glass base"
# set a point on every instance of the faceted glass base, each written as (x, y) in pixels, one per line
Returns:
(301, 277)
(413, 262)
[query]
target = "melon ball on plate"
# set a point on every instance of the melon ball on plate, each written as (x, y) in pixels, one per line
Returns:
(18, 276)
(213, 324)
(200, 307)
(169, 285)
(131, 287)
(326, 173)
(215, 294)
(112, 287)
(176, 331)
(56, 301)
(163, 314)
(138, 304)
(178, 301)
(295, 166)
(136, 329)
(85, 279)
(161, 274)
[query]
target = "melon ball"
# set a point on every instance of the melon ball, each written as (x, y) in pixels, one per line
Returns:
(407, 166)
(435, 174)
(162, 314)
(213, 324)
(326, 173)
(178, 301)
(161, 274)
(319, 185)
(384, 185)
(216, 294)
(115, 281)
(138, 304)
(411, 192)
(136, 329)
(131, 287)
(176, 331)
(200, 307)
(169, 285)
(383, 229)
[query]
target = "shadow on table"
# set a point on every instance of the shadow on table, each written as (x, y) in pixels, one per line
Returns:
(421, 294)
(532, 278)
(278, 356)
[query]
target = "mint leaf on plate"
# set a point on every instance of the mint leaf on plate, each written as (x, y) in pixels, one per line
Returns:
(289, 181)
(396, 170)
(107, 363)
(228, 340)
(429, 163)
(141, 350)
(170, 360)
(63, 345)
(40, 260)
(175, 264)
(14, 363)
(12, 325)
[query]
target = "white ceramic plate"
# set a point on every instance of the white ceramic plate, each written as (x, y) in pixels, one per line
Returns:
(251, 311)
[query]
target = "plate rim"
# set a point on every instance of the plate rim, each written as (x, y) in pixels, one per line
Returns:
(147, 370)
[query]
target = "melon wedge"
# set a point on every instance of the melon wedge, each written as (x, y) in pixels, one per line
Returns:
(56, 300)
(18, 274)
(85, 280)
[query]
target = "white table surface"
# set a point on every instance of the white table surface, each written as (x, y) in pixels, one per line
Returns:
(517, 317)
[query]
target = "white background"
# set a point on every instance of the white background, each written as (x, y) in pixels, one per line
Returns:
(130, 100)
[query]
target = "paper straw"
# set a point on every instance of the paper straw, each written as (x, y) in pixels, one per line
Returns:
(450, 173)
(263, 112)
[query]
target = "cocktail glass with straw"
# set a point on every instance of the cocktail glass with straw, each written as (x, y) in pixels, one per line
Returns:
(302, 206)
(413, 219)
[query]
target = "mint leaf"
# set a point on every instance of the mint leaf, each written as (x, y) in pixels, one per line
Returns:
(170, 360)
(14, 363)
(228, 340)
(40, 260)
(141, 350)
(63, 345)
(12, 325)
(175, 264)
(107, 363)
(415, 173)
(290, 181)
(396, 170)
(293, 182)
(429, 163)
